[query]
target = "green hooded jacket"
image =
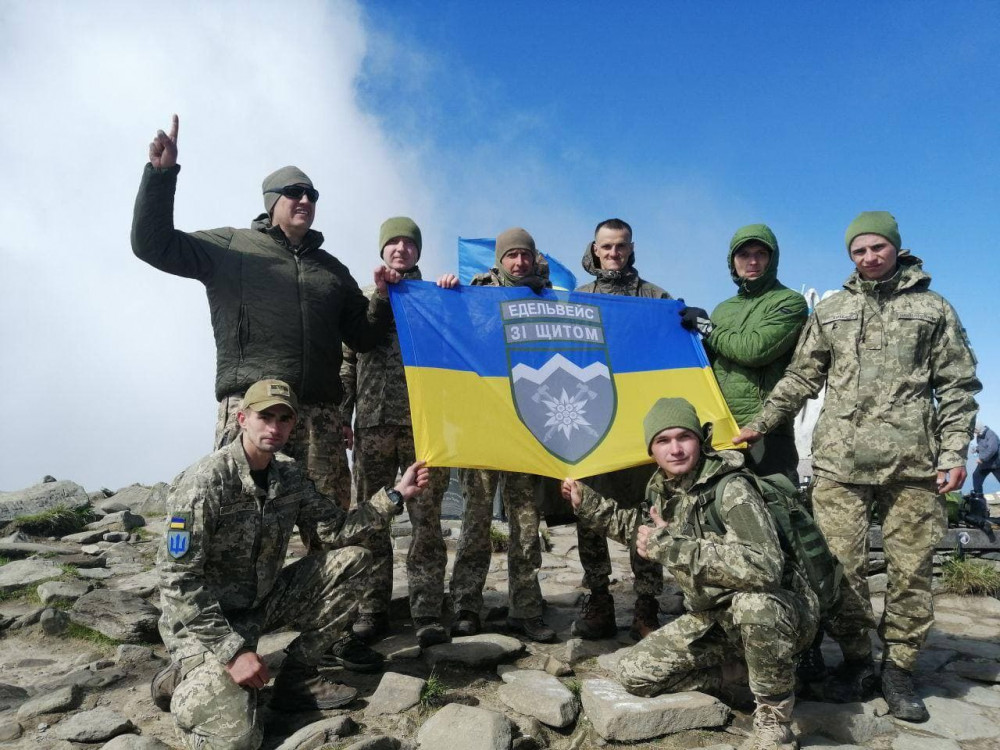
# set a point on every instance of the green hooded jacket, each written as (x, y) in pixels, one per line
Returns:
(901, 381)
(755, 333)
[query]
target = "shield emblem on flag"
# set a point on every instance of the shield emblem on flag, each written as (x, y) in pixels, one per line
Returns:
(566, 399)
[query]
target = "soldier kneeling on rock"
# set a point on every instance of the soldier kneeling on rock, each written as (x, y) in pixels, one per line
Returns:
(749, 611)
(223, 581)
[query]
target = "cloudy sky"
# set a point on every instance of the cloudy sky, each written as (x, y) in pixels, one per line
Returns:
(687, 120)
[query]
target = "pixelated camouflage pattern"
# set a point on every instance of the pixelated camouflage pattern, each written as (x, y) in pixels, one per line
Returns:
(524, 555)
(737, 580)
(900, 376)
(627, 488)
(212, 598)
(380, 453)
(913, 520)
(317, 441)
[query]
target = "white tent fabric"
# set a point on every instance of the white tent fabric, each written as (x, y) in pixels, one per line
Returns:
(805, 421)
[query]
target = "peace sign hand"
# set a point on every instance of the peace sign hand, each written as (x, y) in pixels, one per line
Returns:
(163, 149)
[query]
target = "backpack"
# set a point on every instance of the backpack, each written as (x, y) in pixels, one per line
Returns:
(800, 537)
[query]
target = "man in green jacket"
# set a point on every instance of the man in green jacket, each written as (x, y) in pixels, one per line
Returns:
(749, 609)
(610, 258)
(280, 304)
(894, 430)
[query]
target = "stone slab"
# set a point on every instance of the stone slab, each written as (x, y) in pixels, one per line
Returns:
(458, 727)
(475, 651)
(617, 715)
(395, 693)
(539, 694)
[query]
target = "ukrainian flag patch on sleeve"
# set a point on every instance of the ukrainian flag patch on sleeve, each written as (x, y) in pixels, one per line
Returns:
(178, 535)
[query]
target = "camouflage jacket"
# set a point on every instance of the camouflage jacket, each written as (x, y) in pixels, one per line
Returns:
(375, 382)
(708, 568)
(237, 539)
(900, 376)
(625, 283)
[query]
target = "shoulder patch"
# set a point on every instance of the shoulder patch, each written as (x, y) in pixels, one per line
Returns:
(178, 543)
(179, 521)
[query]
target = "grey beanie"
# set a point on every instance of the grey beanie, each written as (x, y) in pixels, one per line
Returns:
(282, 178)
(514, 238)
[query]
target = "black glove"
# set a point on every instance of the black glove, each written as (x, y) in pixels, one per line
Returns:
(696, 319)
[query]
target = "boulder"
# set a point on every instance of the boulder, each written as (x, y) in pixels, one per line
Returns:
(852, 723)
(66, 591)
(485, 650)
(148, 501)
(11, 695)
(458, 727)
(119, 615)
(319, 733)
(18, 550)
(395, 693)
(121, 521)
(88, 536)
(134, 742)
(541, 695)
(21, 573)
(96, 725)
(41, 498)
(53, 621)
(51, 702)
(9, 730)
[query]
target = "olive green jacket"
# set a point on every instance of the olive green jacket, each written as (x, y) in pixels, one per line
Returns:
(625, 282)
(900, 377)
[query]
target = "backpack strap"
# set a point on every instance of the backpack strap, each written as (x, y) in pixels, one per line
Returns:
(709, 504)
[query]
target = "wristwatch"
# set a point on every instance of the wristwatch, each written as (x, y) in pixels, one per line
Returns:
(397, 499)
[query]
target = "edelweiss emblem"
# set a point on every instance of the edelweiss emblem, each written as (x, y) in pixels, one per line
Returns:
(566, 412)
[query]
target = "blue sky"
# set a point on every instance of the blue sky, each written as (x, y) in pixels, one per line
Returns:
(686, 119)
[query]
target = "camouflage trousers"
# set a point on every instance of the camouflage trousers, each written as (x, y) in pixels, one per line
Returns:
(524, 553)
(914, 518)
(317, 441)
(768, 630)
(627, 488)
(380, 453)
(317, 595)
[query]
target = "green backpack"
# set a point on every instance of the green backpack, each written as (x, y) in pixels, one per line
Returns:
(800, 537)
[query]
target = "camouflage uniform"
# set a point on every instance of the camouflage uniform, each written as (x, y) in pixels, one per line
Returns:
(628, 485)
(375, 386)
(899, 406)
(740, 596)
(230, 586)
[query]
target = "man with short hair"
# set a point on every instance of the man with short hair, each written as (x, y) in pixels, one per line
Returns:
(748, 606)
(987, 457)
(517, 264)
(280, 304)
(375, 390)
(894, 431)
(610, 258)
(224, 582)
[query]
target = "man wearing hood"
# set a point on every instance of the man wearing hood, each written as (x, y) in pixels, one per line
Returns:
(894, 431)
(610, 258)
(750, 609)
(280, 304)
(518, 263)
(375, 392)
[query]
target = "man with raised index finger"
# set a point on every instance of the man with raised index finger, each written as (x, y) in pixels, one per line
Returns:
(280, 304)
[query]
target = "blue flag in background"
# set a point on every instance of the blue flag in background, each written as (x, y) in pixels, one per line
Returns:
(478, 256)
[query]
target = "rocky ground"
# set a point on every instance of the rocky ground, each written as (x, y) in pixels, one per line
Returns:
(78, 648)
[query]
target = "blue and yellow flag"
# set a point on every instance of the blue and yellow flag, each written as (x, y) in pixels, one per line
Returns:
(555, 383)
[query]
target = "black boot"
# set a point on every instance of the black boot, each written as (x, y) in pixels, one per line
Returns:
(899, 693)
(851, 682)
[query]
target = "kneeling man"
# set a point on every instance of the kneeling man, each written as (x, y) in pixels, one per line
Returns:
(743, 599)
(223, 579)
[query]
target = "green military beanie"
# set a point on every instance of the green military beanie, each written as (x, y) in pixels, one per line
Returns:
(514, 239)
(881, 223)
(670, 412)
(282, 178)
(399, 226)
(756, 233)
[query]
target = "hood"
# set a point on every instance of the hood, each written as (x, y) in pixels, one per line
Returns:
(593, 266)
(909, 274)
(763, 234)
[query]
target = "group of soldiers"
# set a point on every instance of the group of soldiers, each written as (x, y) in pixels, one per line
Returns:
(301, 349)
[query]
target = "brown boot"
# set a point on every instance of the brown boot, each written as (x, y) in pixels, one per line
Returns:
(645, 617)
(300, 687)
(371, 626)
(163, 685)
(597, 617)
(772, 726)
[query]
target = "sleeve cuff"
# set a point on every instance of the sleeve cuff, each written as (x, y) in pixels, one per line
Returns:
(383, 505)
(227, 649)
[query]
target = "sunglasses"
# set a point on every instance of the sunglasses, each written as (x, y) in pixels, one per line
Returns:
(295, 192)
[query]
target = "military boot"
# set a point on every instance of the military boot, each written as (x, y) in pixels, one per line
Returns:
(851, 682)
(597, 617)
(532, 627)
(772, 726)
(163, 685)
(466, 622)
(645, 617)
(812, 666)
(430, 631)
(371, 626)
(899, 693)
(350, 653)
(301, 687)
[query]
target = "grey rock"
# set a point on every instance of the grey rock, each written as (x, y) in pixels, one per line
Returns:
(66, 591)
(149, 501)
(90, 678)
(577, 649)
(18, 550)
(458, 727)
(846, 722)
(30, 617)
(378, 742)
(80, 560)
(122, 521)
(117, 614)
(905, 741)
(123, 552)
(9, 730)
(54, 621)
(618, 715)
(41, 498)
(11, 696)
(395, 694)
(956, 720)
(95, 574)
(96, 725)
(116, 536)
(94, 549)
(976, 670)
(484, 650)
(19, 573)
(609, 662)
(56, 701)
(557, 668)
(320, 733)
(142, 584)
(134, 742)
(127, 655)
(48, 478)
(541, 695)
(84, 537)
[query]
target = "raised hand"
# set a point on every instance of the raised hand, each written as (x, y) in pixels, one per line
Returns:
(385, 276)
(163, 148)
